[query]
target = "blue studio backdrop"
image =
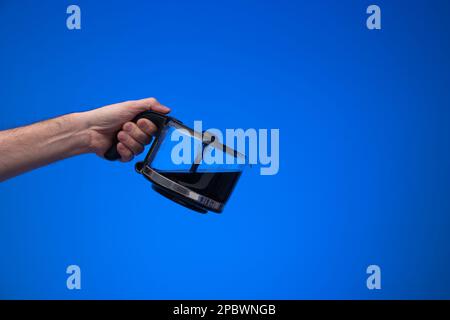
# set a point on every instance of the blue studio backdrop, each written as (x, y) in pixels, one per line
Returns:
(364, 149)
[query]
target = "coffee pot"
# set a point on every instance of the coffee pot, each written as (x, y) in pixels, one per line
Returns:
(191, 168)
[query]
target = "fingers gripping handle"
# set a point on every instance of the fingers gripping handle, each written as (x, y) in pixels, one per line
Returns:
(158, 119)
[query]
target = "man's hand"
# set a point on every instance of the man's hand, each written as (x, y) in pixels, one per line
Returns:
(105, 122)
(26, 148)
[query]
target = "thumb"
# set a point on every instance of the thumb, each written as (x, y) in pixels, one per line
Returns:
(150, 104)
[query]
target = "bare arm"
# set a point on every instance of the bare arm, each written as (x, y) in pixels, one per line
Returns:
(26, 148)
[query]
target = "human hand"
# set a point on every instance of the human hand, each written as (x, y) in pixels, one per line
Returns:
(104, 123)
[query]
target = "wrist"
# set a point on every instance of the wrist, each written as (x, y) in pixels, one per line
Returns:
(96, 136)
(81, 132)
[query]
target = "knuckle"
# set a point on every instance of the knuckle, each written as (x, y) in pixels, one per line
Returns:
(122, 136)
(122, 149)
(151, 126)
(147, 127)
(125, 154)
(138, 135)
(143, 123)
(128, 126)
(137, 132)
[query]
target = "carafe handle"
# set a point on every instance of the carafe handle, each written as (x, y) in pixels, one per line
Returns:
(158, 119)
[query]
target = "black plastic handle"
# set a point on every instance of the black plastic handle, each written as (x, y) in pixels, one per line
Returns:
(158, 119)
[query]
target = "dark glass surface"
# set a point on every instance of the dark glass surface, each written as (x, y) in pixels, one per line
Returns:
(215, 185)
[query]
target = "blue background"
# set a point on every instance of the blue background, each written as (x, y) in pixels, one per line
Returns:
(364, 149)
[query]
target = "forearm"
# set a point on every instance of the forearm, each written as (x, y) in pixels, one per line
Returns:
(26, 148)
